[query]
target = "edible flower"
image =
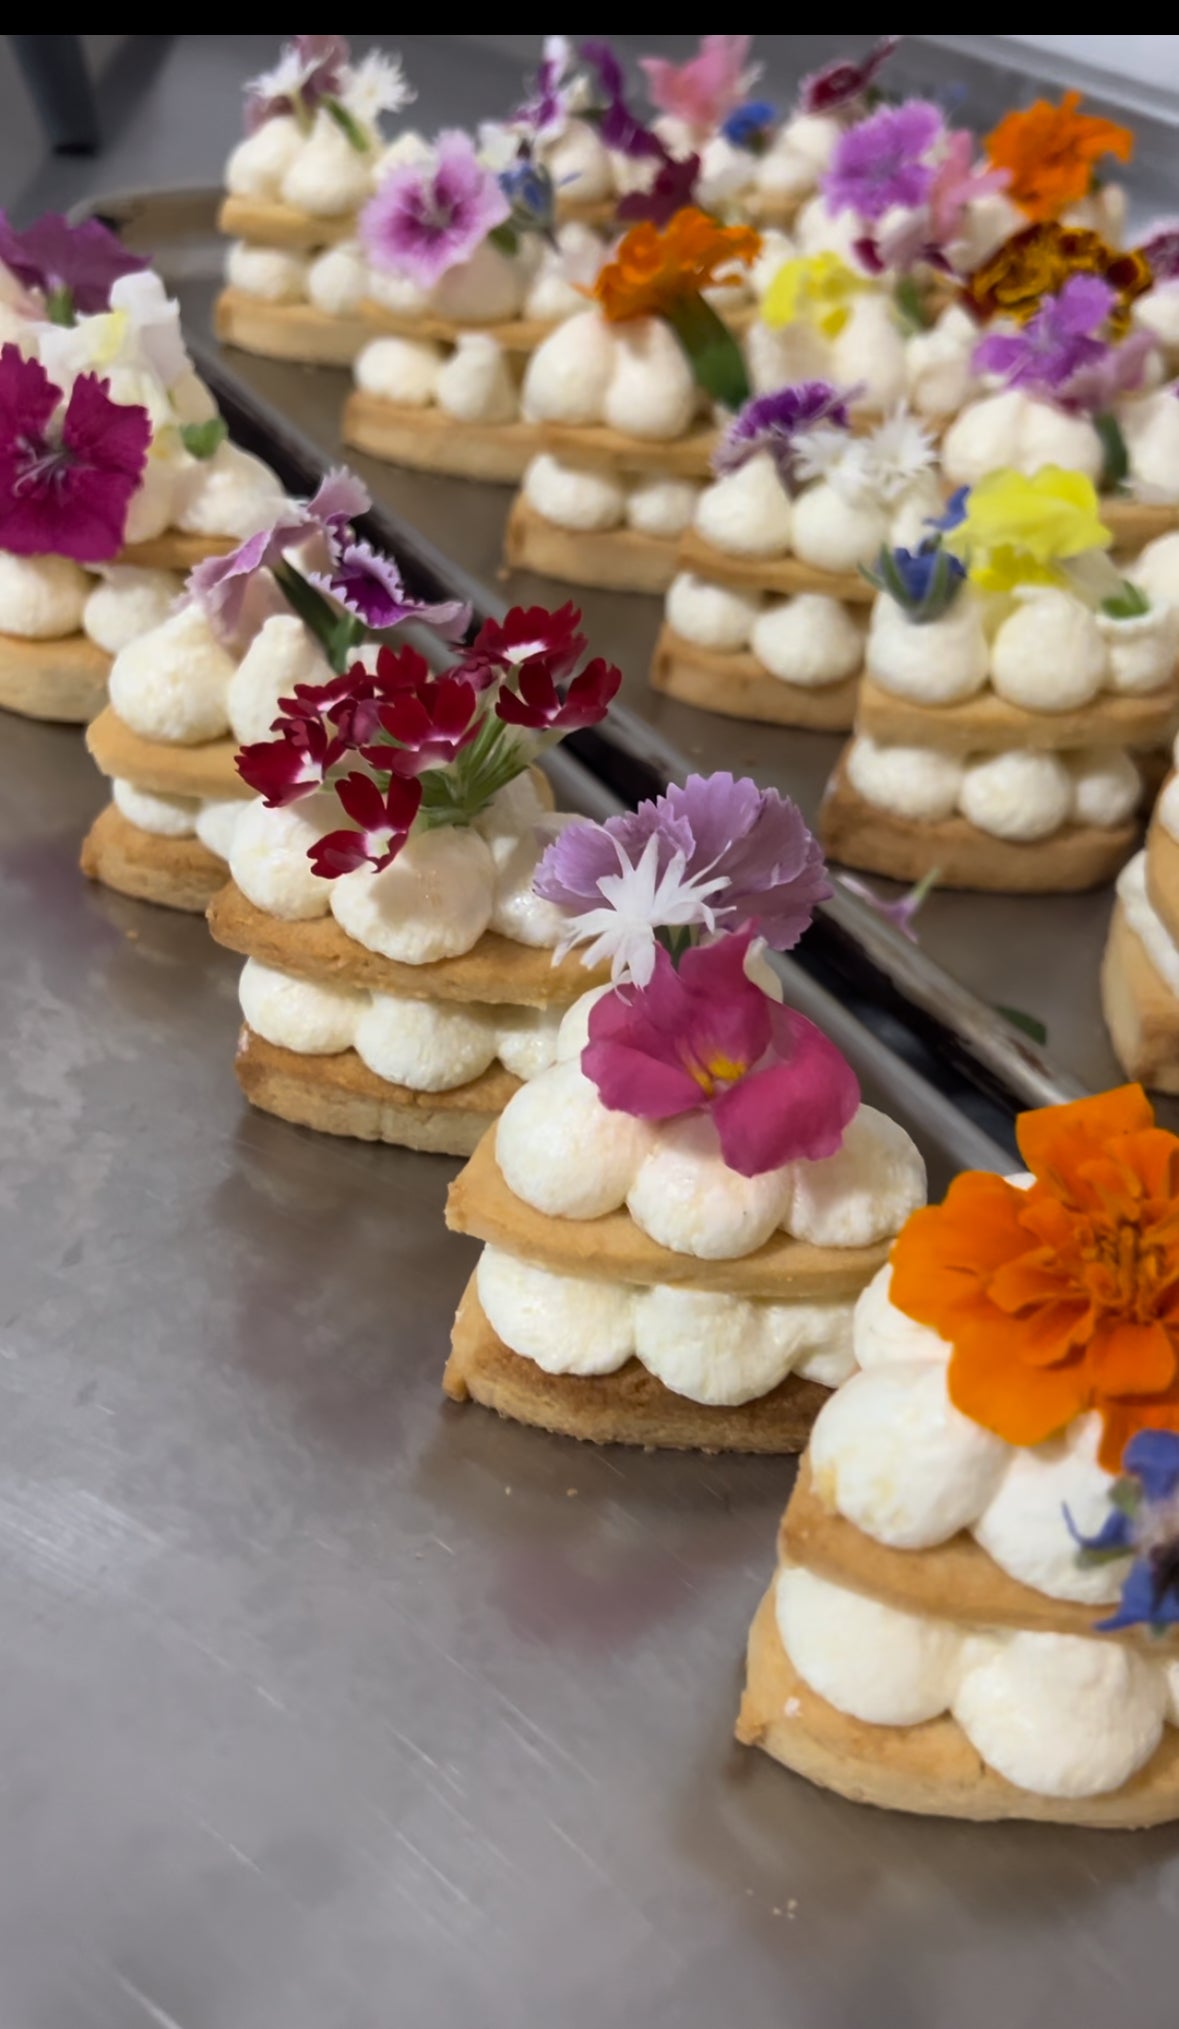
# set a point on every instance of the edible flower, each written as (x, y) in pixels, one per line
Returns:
(619, 127)
(1064, 1297)
(673, 189)
(708, 87)
(884, 161)
(1143, 1524)
(844, 82)
(902, 911)
(73, 266)
(661, 272)
(310, 69)
(370, 586)
(717, 853)
(1038, 261)
(750, 126)
(1016, 530)
(776, 422)
(1050, 153)
(456, 738)
(1160, 250)
(67, 473)
(548, 106)
(924, 582)
(426, 217)
(1059, 354)
(702, 1038)
(813, 289)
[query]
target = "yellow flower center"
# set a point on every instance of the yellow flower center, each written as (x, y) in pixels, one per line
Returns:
(715, 1070)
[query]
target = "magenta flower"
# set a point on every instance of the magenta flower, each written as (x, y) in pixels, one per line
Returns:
(706, 89)
(383, 819)
(370, 586)
(310, 70)
(673, 190)
(843, 83)
(284, 770)
(545, 112)
(773, 423)
(881, 162)
(526, 634)
(430, 726)
(704, 1038)
(957, 183)
(1161, 250)
(901, 913)
(74, 266)
(618, 126)
(428, 217)
(66, 480)
(540, 705)
(1058, 354)
(763, 867)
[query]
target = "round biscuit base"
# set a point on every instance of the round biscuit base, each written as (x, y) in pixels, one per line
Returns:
(340, 1095)
(738, 687)
(931, 1769)
(608, 560)
(62, 682)
(294, 331)
(1141, 1012)
(431, 440)
(174, 873)
(627, 1407)
(858, 834)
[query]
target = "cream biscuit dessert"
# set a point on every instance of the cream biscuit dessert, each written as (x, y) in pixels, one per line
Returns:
(1140, 965)
(1012, 677)
(766, 617)
(118, 472)
(622, 401)
(209, 676)
(689, 1282)
(974, 1607)
(400, 980)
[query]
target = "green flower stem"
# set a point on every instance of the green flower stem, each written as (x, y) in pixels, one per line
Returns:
(351, 129)
(1115, 468)
(338, 634)
(911, 304)
(59, 305)
(711, 350)
(200, 440)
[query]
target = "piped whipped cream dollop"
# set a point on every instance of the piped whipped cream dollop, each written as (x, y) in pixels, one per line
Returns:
(939, 376)
(713, 1348)
(127, 602)
(1150, 427)
(257, 165)
(585, 499)
(487, 288)
(172, 683)
(747, 512)
(230, 494)
(579, 163)
(661, 507)
(1157, 311)
(1022, 795)
(632, 377)
(713, 616)
(1015, 430)
(910, 1470)
(475, 384)
(282, 654)
(337, 279)
(1146, 923)
(41, 598)
(273, 274)
(326, 175)
(677, 1188)
(1057, 1715)
(424, 1045)
(403, 370)
(147, 810)
(811, 640)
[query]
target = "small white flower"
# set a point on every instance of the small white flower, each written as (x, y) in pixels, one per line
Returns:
(498, 145)
(637, 901)
(376, 85)
(899, 450)
(289, 76)
(820, 452)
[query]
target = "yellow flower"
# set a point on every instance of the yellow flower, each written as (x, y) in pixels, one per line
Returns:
(814, 289)
(1017, 531)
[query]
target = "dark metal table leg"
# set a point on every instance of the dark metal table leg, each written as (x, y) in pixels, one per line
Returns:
(54, 69)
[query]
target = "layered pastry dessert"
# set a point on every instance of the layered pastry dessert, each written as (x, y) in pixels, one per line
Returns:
(400, 981)
(621, 400)
(250, 629)
(116, 473)
(766, 615)
(311, 157)
(689, 1280)
(1013, 679)
(974, 1609)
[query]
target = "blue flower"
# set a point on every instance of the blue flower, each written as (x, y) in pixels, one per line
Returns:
(749, 125)
(528, 188)
(924, 581)
(955, 511)
(1143, 1523)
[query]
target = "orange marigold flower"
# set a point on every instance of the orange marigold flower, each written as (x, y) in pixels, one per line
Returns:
(1038, 261)
(1064, 1297)
(1049, 152)
(656, 267)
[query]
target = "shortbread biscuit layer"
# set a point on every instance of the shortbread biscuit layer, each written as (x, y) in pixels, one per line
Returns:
(295, 331)
(1134, 523)
(687, 457)
(628, 1407)
(165, 768)
(267, 222)
(175, 550)
(340, 1095)
(63, 681)
(1141, 1012)
(954, 1581)
(930, 1769)
(609, 559)
(786, 576)
(496, 972)
(987, 723)
(1162, 874)
(431, 440)
(739, 687)
(175, 873)
(858, 834)
(612, 1248)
